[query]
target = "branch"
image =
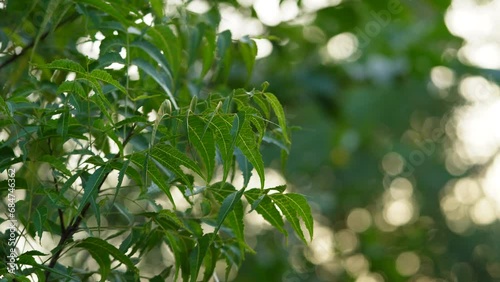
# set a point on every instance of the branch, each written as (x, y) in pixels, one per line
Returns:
(75, 223)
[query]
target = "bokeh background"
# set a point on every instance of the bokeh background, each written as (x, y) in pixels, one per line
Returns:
(396, 108)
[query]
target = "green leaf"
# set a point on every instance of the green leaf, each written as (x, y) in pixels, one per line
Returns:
(92, 186)
(158, 77)
(295, 207)
(106, 77)
(208, 51)
(171, 158)
(100, 251)
(247, 143)
(72, 87)
(227, 206)
(221, 128)
(63, 123)
(248, 50)
(280, 114)
(56, 163)
(154, 53)
(39, 220)
(108, 8)
(201, 137)
(265, 207)
(67, 65)
(164, 38)
(154, 173)
(179, 247)
(121, 175)
(197, 255)
(244, 165)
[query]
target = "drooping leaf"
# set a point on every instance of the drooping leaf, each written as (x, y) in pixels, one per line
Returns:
(197, 255)
(247, 143)
(163, 37)
(161, 79)
(56, 163)
(221, 128)
(101, 250)
(171, 158)
(265, 207)
(248, 50)
(154, 173)
(244, 165)
(280, 114)
(295, 207)
(48, 15)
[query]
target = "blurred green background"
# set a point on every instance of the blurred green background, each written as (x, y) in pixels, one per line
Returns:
(397, 107)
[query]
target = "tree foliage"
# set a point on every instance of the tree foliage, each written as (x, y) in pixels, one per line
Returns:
(106, 158)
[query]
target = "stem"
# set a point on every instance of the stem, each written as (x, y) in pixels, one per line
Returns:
(75, 223)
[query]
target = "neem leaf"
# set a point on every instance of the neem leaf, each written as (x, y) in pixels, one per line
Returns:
(56, 163)
(197, 255)
(295, 207)
(265, 207)
(280, 114)
(202, 138)
(156, 175)
(101, 250)
(39, 220)
(248, 50)
(92, 186)
(158, 77)
(221, 128)
(106, 77)
(171, 159)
